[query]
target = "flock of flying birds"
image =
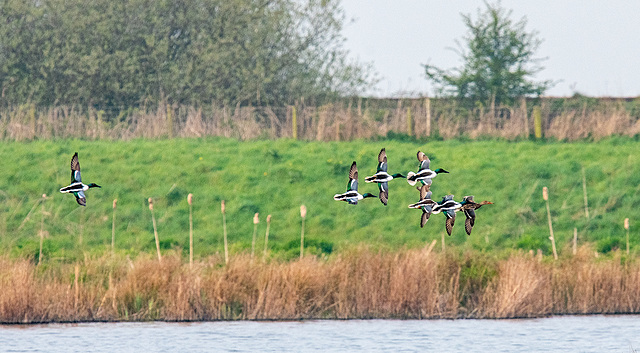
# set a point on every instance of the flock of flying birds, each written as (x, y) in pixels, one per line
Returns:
(448, 206)
(425, 176)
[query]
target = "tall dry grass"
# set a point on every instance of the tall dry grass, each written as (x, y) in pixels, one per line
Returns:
(331, 122)
(361, 283)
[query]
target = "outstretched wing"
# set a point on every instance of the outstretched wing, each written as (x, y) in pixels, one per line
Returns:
(382, 161)
(384, 192)
(353, 178)
(80, 198)
(426, 212)
(450, 221)
(75, 168)
(468, 225)
(424, 160)
(424, 192)
(470, 214)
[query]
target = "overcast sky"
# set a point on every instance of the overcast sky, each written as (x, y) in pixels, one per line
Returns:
(593, 47)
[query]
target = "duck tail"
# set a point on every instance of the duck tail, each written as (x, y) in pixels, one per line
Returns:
(410, 178)
(370, 179)
(337, 197)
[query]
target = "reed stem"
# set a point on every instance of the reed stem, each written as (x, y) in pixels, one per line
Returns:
(113, 228)
(545, 196)
(189, 200)
(584, 191)
(224, 232)
(155, 229)
(266, 236)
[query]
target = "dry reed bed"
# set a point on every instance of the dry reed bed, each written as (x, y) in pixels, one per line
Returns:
(407, 284)
(417, 117)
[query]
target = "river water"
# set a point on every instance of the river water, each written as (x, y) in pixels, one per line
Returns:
(554, 334)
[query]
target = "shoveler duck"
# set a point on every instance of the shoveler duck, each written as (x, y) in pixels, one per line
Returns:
(77, 188)
(352, 195)
(382, 177)
(469, 207)
(425, 204)
(424, 175)
(448, 207)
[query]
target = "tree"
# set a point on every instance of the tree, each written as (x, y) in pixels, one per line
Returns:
(122, 53)
(498, 60)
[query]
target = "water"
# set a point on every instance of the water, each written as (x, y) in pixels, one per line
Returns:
(556, 334)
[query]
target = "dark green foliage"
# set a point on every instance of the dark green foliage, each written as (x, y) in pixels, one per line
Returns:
(498, 61)
(116, 55)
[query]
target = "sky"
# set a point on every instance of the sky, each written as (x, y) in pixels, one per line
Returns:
(591, 47)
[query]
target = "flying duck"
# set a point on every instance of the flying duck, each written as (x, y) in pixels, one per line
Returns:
(425, 174)
(448, 207)
(352, 195)
(425, 203)
(468, 206)
(382, 177)
(77, 188)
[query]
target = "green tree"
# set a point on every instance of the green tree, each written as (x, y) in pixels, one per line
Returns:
(498, 60)
(122, 53)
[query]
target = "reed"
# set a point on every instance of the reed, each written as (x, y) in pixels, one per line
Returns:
(303, 216)
(155, 229)
(626, 227)
(358, 283)
(545, 196)
(266, 236)
(113, 227)
(190, 202)
(224, 232)
(256, 220)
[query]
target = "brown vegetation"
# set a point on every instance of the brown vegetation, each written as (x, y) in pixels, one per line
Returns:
(562, 119)
(360, 283)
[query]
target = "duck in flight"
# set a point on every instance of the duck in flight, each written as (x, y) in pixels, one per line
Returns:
(469, 208)
(352, 196)
(425, 203)
(382, 177)
(77, 188)
(424, 175)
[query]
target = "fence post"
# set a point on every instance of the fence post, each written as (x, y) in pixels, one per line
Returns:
(537, 122)
(427, 104)
(294, 122)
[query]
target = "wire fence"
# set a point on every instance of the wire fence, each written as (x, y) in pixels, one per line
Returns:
(561, 119)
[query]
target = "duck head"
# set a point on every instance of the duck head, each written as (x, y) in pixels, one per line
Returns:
(366, 194)
(94, 185)
(440, 170)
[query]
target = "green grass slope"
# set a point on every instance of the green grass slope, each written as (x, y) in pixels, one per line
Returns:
(276, 177)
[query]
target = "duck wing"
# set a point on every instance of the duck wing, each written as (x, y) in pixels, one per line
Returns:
(424, 160)
(470, 220)
(75, 169)
(382, 161)
(424, 218)
(384, 192)
(80, 198)
(450, 221)
(353, 178)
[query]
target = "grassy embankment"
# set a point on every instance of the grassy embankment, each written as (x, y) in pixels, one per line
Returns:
(374, 260)
(276, 177)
